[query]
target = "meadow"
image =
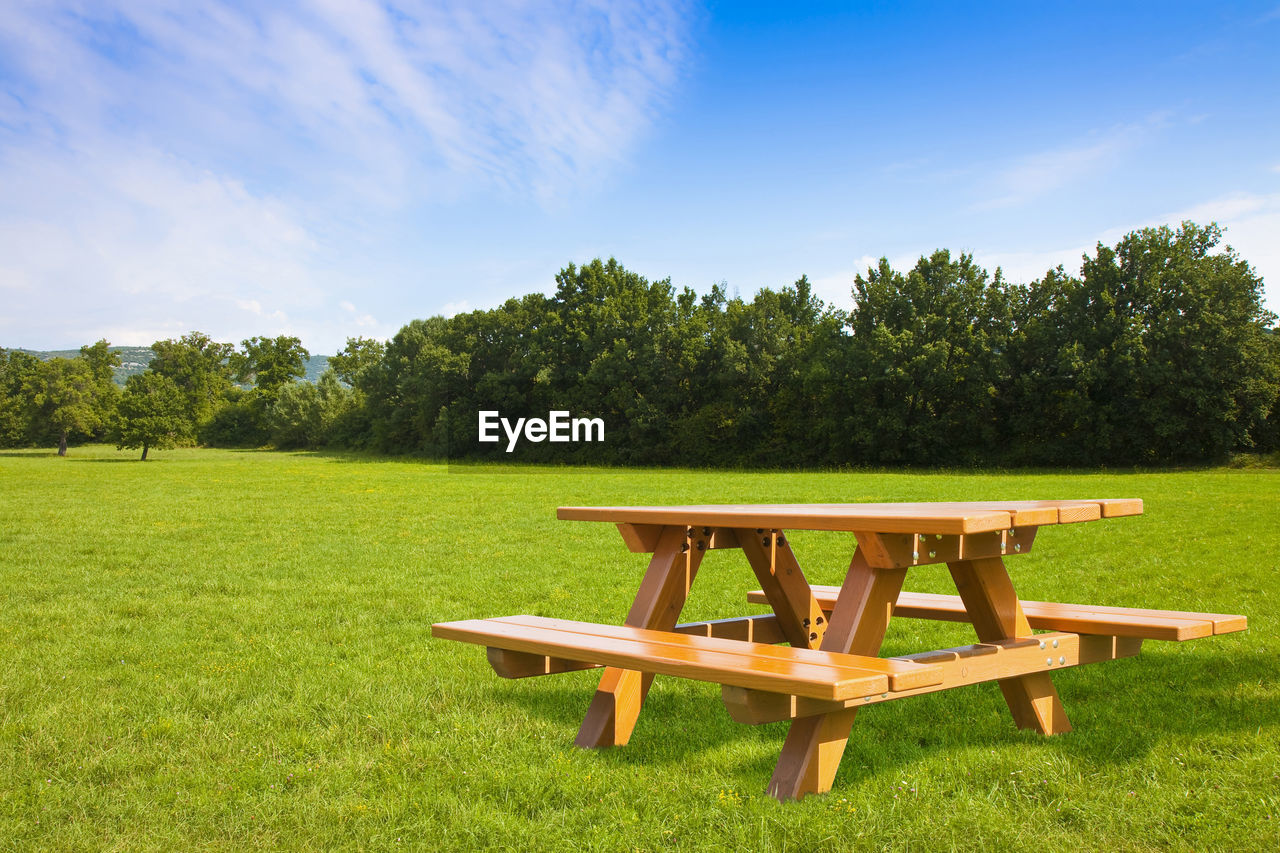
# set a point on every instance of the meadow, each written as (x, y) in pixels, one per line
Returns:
(232, 650)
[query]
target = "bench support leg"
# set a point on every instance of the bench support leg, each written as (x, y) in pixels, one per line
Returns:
(996, 614)
(814, 745)
(799, 615)
(612, 715)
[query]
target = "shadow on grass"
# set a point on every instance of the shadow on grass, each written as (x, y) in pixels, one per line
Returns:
(1121, 710)
(29, 454)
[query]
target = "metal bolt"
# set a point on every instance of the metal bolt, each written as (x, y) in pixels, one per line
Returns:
(765, 541)
(818, 621)
(938, 535)
(702, 546)
(805, 621)
(684, 547)
(933, 554)
(884, 695)
(1012, 532)
(1062, 659)
(1017, 546)
(1042, 644)
(813, 636)
(706, 531)
(1055, 644)
(1048, 661)
(781, 541)
(915, 555)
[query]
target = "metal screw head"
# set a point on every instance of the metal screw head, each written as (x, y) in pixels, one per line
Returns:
(1048, 661)
(1012, 532)
(915, 555)
(933, 554)
(1017, 546)
(1055, 644)
(1042, 644)
(1062, 659)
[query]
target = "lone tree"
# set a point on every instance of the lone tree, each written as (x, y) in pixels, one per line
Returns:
(151, 413)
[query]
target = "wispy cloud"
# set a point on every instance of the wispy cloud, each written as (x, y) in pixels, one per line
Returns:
(169, 159)
(1038, 174)
(1251, 221)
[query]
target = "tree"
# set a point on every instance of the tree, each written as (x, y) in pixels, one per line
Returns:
(1159, 352)
(102, 361)
(304, 414)
(65, 398)
(197, 365)
(270, 363)
(356, 358)
(925, 361)
(19, 372)
(150, 413)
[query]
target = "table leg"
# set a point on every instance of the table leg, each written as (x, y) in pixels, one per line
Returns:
(612, 715)
(814, 745)
(996, 614)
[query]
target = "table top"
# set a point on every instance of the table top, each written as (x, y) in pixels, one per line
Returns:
(944, 517)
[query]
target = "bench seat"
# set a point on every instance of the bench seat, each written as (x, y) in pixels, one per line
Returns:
(1046, 615)
(758, 666)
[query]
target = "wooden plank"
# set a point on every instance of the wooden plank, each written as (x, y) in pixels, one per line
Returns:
(960, 666)
(903, 674)
(760, 667)
(945, 518)
(1148, 624)
(996, 614)
(922, 518)
(785, 588)
(755, 629)
(814, 745)
(614, 708)
(900, 550)
(640, 538)
(643, 538)
(511, 664)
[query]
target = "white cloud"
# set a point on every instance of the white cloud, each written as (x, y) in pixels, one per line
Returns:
(1252, 222)
(167, 166)
(394, 101)
(1038, 174)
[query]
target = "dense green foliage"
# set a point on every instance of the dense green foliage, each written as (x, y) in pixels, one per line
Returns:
(152, 413)
(231, 651)
(1158, 352)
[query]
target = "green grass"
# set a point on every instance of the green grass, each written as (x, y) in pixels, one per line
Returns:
(232, 650)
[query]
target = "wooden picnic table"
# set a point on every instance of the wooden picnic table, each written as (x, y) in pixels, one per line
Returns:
(832, 665)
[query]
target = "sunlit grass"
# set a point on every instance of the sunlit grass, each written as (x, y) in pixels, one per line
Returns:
(231, 650)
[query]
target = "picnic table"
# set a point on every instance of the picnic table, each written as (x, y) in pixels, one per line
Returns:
(832, 665)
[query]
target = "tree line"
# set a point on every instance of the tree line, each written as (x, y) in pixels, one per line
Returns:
(1158, 352)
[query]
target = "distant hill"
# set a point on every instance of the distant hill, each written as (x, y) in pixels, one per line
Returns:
(135, 360)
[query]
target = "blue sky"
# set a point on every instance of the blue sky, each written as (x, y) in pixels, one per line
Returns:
(333, 168)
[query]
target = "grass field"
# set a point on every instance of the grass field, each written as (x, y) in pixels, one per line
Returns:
(232, 650)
